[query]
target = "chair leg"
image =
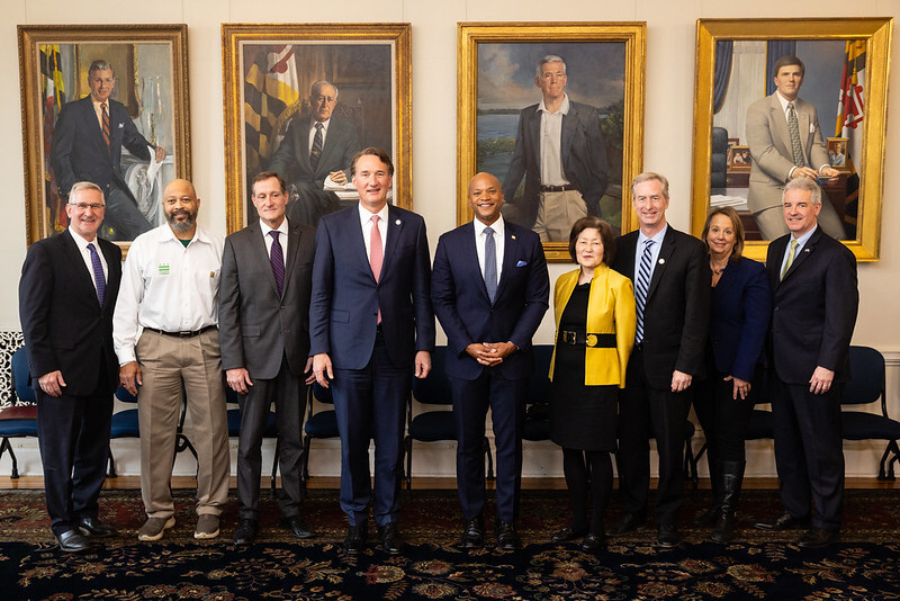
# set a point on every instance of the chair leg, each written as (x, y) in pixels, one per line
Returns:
(111, 472)
(490, 458)
(6, 446)
(304, 470)
(407, 447)
(275, 471)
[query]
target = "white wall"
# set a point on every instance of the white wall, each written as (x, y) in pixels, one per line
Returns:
(667, 125)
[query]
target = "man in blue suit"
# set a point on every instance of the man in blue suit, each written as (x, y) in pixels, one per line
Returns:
(371, 324)
(87, 146)
(490, 289)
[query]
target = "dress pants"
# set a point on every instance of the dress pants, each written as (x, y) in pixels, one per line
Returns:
(289, 392)
(471, 401)
(123, 216)
(371, 403)
(723, 418)
(73, 435)
(556, 214)
(809, 452)
(644, 412)
(173, 366)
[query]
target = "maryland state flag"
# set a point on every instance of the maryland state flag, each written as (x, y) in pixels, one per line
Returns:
(54, 96)
(271, 96)
(850, 114)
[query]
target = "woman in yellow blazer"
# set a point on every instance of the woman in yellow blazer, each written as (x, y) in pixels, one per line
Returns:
(595, 324)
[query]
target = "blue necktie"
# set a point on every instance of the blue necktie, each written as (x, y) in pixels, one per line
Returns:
(99, 277)
(490, 263)
(276, 256)
(642, 287)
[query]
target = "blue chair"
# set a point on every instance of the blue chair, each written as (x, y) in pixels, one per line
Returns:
(537, 416)
(124, 424)
(867, 386)
(234, 430)
(321, 424)
(434, 426)
(18, 420)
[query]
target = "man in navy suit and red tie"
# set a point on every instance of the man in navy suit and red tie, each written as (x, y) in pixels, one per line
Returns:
(371, 327)
(490, 289)
(87, 146)
(67, 294)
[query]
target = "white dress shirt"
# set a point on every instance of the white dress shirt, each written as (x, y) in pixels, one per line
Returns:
(86, 255)
(365, 219)
(552, 173)
(282, 237)
(499, 242)
(167, 286)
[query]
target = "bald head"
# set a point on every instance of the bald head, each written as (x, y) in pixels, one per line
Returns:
(485, 197)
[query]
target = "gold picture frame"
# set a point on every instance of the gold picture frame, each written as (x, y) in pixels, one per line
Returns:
(861, 215)
(150, 64)
(369, 64)
(615, 86)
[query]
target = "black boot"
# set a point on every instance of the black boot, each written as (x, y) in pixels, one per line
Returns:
(732, 476)
(709, 517)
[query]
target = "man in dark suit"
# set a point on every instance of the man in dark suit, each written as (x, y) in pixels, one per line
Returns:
(561, 153)
(671, 276)
(774, 162)
(316, 147)
(490, 296)
(264, 293)
(87, 146)
(371, 324)
(67, 295)
(815, 300)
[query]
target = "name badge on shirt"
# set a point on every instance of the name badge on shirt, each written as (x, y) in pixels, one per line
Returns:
(163, 269)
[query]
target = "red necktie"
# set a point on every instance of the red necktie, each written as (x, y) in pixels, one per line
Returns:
(103, 107)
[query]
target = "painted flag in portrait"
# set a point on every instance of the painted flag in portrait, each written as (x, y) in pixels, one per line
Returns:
(850, 114)
(271, 96)
(54, 96)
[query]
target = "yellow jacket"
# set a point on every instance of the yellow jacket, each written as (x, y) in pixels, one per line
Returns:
(610, 311)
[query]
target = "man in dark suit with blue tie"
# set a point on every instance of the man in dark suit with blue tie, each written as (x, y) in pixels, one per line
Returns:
(490, 289)
(371, 327)
(815, 301)
(67, 294)
(264, 292)
(87, 146)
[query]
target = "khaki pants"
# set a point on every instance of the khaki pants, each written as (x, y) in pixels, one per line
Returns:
(556, 214)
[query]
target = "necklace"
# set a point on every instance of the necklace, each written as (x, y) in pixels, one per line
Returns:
(717, 270)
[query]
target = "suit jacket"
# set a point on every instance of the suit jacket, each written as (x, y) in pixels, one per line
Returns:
(814, 308)
(770, 148)
(583, 151)
(465, 311)
(64, 325)
(676, 315)
(291, 159)
(345, 296)
(610, 311)
(740, 309)
(257, 327)
(79, 152)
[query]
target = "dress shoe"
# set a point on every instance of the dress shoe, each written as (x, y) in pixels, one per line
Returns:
(473, 535)
(298, 526)
(667, 536)
(626, 523)
(707, 518)
(593, 542)
(73, 541)
(355, 539)
(507, 538)
(784, 521)
(91, 526)
(246, 532)
(816, 538)
(568, 533)
(391, 541)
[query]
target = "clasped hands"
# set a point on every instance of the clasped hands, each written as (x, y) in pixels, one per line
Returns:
(490, 353)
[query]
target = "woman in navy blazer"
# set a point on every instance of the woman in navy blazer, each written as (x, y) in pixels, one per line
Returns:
(740, 307)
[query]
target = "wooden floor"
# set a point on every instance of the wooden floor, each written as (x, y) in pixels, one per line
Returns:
(333, 483)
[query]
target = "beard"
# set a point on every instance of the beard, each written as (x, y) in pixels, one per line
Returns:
(181, 226)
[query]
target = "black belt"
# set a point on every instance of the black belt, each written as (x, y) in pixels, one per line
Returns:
(588, 340)
(556, 188)
(187, 334)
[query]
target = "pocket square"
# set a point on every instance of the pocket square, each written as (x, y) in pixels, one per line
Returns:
(521, 263)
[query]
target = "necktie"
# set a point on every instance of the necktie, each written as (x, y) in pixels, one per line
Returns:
(794, 129)
(642, 287)
(490, 263)
(99, 277)
(276, 256)
(790, 260)
(376, 253)
(105, 111)
(318, 143)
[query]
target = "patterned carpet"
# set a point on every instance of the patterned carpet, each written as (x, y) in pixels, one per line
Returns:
(865, 565)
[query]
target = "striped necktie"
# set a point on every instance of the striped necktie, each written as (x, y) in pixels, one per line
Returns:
(794, 129)
(318, 145)
(105, 110)
(642, 287)
(99, 276)
(276, 257)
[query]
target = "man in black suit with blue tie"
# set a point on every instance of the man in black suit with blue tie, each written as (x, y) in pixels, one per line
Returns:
(67, 294)
(490, 289)
(371, 328)
(815, 300)
(87, 146)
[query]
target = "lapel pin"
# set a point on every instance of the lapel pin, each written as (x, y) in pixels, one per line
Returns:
(662, 261)
(513, 237)
(397, 222)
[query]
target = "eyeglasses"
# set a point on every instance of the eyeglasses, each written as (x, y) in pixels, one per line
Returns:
(83, 206)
